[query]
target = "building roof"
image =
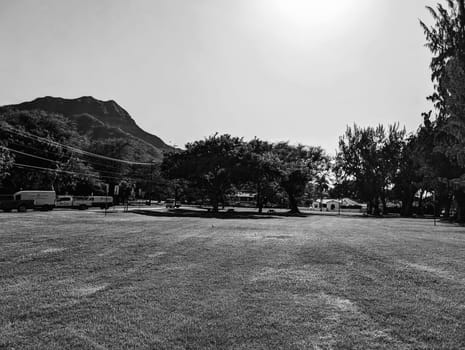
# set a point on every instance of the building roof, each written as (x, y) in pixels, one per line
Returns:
(343, 201)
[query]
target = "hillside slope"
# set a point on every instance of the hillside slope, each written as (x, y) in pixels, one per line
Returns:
(98, 120)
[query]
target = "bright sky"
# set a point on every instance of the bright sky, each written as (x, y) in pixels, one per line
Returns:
(281, 70)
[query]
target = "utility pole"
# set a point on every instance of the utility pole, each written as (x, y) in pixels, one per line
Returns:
(175, 193)
(107, 187)
(434, 207)
(151, 183)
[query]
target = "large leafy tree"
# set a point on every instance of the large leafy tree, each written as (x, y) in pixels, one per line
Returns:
(369, 159)
(358, 161)
(298, 165)
(451, 133)
(390, 159)
(446, 40)
(259, 167)
(450, 140)
(434, 166)
(209, 164)
(413, 172)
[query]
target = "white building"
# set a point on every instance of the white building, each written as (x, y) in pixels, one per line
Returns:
(334, 204)
(245, 199)
(326, 205)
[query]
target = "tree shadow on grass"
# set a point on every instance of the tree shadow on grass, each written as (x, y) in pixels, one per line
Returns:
(353, 215)
(270, 214)
(186, 213)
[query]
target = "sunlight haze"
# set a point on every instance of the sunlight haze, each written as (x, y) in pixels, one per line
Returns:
(292, 70)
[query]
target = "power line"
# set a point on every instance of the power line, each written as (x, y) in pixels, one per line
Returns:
(58, 163)
(74, 150)
(29, 155)
(48, 160)
(93, 162)
(71, 148)
(19, 165)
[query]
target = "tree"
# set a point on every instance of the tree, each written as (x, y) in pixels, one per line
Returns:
(116, 172)
(209, 164)
(409, 177)
(37, 158)
(323, 185)
(390, 158)
(297, 165)
(446, 41)
(344, 187)
(258, 167)
(369, 157)
(6, 161)
(451, 133)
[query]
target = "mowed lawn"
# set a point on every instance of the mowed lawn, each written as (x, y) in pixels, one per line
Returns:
(79, 280)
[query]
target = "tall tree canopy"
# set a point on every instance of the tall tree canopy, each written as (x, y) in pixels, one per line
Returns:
(446, 40)
(219, 162)
(210, 164)
(259, 168)
(369, 157)
(298, 165)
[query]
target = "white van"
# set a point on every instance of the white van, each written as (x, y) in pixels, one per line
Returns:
(79, 202)
(44, 200)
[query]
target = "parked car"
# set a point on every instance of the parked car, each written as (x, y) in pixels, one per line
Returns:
(76, 202)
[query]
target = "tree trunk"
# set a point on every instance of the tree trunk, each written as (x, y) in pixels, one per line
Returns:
(460, 199)
(215, 202)
(447, 205)
(293, 204)
(407, 204)
(383, 203)
(446, 200)
(420, 204)
(175, 196)
(376, 211)
(411, 199)
(259, 200)
(370, 207)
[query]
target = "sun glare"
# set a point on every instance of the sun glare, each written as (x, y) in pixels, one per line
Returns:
(301, 20)
(310, 13)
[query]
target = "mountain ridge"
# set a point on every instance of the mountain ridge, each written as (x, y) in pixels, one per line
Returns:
(96, 119)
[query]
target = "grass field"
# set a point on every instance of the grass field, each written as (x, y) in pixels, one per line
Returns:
(79, 280)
